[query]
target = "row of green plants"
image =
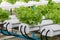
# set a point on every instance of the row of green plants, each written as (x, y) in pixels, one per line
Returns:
(29, 16)
(10, 1)
(4, 15)
(0, 1)
(29, 0)
(34, 16)
(52, 12)
(14, 1)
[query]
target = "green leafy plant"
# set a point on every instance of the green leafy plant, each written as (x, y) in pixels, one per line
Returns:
(29, 16)
(53, 12)
(21, 0)
(43, 9)
(24, 0)
(29, 0)
(4, 15)
(47, 8)
(11, 1)
(35, 0)
(0, 1)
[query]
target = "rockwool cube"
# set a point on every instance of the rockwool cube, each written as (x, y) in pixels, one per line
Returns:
(54, 30)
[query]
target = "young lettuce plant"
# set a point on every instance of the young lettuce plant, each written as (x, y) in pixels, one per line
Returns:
(11, 1)
(46, 8)
(53, 12)
(24, 0)
(35, 0)
(4, 15)
(43, 9)
(29, 16)
(0, 1)
(29, 0)
(54, 15)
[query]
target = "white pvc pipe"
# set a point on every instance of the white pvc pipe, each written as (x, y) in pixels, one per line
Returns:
(18, 4)
(57, 1)
(5, 5)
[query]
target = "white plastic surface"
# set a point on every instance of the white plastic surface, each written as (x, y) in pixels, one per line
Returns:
(13, 16)
(6, 5)
(44, 22)
(42, 0)
(57, 1)
(27, 27)
(18, 4)
(55, 27)
(43, 17)
(54, 30)
(32, 3)
(13, 20)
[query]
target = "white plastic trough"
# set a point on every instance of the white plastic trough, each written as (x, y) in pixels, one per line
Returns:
(36, 27)
(43, 2)
(45, 22)
(6, 5)
(54, 30)
(18, 4)
(57, 1)
(27, 28)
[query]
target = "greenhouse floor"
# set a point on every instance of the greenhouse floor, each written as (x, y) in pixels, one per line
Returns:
(4, 37)
(37, 35)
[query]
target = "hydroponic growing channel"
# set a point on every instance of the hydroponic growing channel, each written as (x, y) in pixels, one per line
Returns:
(20, 18)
